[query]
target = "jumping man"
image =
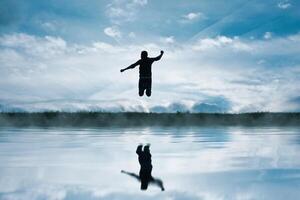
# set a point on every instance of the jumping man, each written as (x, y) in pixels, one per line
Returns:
(145, 64)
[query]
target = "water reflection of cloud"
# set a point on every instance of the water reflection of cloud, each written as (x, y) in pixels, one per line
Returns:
(221, 186)
(86, 163)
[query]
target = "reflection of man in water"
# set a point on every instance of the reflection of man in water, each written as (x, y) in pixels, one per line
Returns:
(145, 64)
(145, 176)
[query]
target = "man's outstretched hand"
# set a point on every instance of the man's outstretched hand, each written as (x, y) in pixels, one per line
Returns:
(122, 70)
(161, 52)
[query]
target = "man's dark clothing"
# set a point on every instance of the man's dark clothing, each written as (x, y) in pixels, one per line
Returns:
(146, 166)
(144, 159)
(145, 82)
(145, 64)
(145, 67)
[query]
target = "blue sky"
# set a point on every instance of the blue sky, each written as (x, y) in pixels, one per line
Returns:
(237, 56)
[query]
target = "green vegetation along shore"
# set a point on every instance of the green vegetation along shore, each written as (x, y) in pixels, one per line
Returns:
(98, 119)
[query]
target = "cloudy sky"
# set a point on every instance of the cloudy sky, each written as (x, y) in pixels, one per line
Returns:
(220, 56)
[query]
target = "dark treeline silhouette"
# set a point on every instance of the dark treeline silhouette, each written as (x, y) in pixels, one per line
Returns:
(98, 119)
(145, 174)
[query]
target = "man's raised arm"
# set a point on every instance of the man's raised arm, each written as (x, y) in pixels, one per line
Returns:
(131, 66)
(158, 57)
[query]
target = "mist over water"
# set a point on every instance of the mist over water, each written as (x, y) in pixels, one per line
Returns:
(193, 162)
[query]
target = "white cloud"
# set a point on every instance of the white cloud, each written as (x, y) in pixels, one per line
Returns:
(132, 35)
(38, 69)
(140, 2)
(49, 26)
(35, 46)
(192, 17)
(221, 42)
(295, 38)
(106, 47)
(268, 35)
(123, 11)
(208, 43)
(168, 40)
(113, 32)
(116, 12)
(284, 4)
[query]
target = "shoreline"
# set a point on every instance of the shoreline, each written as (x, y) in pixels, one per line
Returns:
(127, 119)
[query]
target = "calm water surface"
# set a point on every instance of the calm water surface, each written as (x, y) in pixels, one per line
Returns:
(194, 163)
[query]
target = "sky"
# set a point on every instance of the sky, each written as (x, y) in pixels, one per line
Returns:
(220, 56)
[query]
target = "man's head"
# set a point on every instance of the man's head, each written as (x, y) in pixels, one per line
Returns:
(144, 54)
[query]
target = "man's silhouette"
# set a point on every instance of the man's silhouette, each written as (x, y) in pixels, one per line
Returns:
(145, 64)
(145, 176)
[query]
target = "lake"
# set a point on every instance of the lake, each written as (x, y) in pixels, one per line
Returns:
(193, 162)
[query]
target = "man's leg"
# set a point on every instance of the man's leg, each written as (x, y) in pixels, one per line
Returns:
(149, 85)
(148, 92)
(141, 87)
(141, 92)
